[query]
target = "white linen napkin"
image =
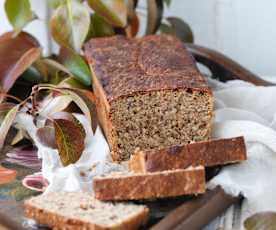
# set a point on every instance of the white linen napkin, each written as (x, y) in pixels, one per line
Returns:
(243, 109)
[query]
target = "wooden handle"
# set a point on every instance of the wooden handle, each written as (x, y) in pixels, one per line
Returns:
(223, 67)
(198, 212)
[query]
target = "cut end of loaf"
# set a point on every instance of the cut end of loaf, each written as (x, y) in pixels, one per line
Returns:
(81, 210)
(154, 120)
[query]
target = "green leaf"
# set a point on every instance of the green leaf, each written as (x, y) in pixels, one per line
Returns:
(69, 139)
(99, 27)
(6, 124)
(70, 24)
(178, 28)
(261, 221)
(76, 65)
(71, 82)
(16, 56)
(56, 3)
(113, 11)
(19, 13)
(154, 15)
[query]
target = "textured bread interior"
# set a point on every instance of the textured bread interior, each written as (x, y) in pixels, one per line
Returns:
(83, 207)
(159, 119)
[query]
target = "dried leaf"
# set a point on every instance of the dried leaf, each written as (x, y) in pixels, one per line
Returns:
(178, 28)
(19, 13)
(113, 11)
(99, 27)
(46, 136)
(261, 221)
(155, 14)
(6, 124)
(70, 24)
(70, 140)
(16, 55)
(76, 65)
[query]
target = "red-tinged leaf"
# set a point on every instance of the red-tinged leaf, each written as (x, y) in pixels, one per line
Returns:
(46, 136)
(6, 124)
(113, 11)
(84, 99)
(70, 140)
(155, 14)
(16, 55)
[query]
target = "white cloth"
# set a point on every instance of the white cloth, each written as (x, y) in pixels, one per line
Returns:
(243, 109)
(95, 159)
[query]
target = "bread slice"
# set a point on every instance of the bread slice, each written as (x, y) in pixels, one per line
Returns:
(129, 186)
(207, 153)
(150, 93)
(82, 211)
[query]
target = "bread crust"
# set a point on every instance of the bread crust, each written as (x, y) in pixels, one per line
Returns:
(124, 67)
(150, 185)
(60, 222)
(207, 153)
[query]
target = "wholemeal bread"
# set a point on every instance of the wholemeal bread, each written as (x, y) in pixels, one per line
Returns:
(82, 211)
(128, 186)
(149, 93)
(207, 153)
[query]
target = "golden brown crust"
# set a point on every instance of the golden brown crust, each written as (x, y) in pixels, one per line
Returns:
(207, 153)
(150, 185)
(128, 66)
(56, 221)
(123, 67)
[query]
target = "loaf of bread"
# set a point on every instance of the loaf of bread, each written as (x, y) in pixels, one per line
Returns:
(149, 93)
(206, 153)
(81, 211)
(129, 186)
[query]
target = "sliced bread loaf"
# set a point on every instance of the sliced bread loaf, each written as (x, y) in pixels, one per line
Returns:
(206, 153)
(129, 186)
(82, 211)
(150, 93)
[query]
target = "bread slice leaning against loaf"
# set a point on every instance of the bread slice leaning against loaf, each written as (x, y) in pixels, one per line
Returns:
(130, 186)
(206, 153)
(82, 211)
